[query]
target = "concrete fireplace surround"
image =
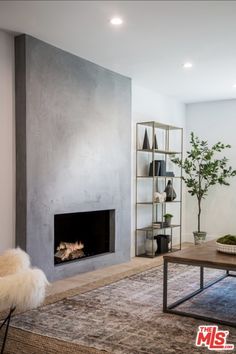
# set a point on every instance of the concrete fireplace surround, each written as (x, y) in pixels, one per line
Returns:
(73, 146)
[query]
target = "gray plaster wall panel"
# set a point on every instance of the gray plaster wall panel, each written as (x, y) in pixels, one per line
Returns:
(78, 151)
(20, 115)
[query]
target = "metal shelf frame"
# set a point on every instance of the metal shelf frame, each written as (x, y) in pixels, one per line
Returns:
(154, 205)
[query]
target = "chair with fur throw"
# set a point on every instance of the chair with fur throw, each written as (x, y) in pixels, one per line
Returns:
(21, 287)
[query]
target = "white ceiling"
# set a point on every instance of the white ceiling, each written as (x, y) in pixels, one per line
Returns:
(150, 47)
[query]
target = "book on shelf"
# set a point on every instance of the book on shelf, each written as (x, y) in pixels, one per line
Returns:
(159, 224)
(159, 168)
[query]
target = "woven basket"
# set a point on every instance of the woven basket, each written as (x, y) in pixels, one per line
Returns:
(231, 249)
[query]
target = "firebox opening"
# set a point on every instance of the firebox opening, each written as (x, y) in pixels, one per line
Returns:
(81, 235)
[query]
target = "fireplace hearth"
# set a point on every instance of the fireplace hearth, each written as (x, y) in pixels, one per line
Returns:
(84, 234)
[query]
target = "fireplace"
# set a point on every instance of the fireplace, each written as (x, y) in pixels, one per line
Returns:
(81, 235)
(56, 134)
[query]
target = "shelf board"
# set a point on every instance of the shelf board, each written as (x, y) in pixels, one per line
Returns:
(151, 228)
(152, 203)
(144, 255)
(159, 176)
(159, 125)
(157, 151)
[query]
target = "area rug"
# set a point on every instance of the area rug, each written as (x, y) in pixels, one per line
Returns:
(126, 317)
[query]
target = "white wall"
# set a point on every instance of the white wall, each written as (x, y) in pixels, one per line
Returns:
(214, 121)
(7, 142)
(151, 106)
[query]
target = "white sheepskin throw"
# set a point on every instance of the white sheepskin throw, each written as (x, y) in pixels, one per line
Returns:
(13, 261)
(25, 289)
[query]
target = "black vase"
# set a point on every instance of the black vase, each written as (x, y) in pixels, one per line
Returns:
(146, 145)
(170, 192)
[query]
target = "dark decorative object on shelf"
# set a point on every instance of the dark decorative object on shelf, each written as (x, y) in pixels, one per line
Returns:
(159, 168)
(155, 145)
(170, 174)
(170, 192)
(162, 243)
(146, 145)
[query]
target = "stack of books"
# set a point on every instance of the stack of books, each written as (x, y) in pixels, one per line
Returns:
(159, 225)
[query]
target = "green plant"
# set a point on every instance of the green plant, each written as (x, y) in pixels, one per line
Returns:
(168, 216)
(203, 169)
(227, 240)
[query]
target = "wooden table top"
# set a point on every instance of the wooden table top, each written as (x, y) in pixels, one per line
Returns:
(203, 255)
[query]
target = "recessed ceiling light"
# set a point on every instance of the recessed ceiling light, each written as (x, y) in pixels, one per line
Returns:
(234, 86)
(187, 65)
(116, 21)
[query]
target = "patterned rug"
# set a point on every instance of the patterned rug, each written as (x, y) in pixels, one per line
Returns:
(126, 317)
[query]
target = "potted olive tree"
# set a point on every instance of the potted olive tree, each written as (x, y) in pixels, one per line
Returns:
(202, 169)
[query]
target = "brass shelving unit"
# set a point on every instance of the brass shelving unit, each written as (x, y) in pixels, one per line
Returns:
(158, 209)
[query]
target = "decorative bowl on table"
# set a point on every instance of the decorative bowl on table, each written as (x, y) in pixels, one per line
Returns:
(226, 244)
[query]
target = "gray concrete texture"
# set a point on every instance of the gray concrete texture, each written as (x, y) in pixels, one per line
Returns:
(73, 133)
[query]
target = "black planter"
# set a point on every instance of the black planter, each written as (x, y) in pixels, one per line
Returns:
(162, 243)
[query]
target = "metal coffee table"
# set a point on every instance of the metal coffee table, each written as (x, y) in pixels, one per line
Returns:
(202, 256)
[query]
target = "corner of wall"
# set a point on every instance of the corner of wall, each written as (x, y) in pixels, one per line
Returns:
(7, 142)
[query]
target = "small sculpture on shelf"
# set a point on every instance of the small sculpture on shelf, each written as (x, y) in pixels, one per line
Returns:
(159, 197)
(155, 145)
(170, 174)
(170, 192)
(146, 145)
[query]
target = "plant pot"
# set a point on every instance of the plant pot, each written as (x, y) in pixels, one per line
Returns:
(150, 246)
(199, 237)
(168, 222)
